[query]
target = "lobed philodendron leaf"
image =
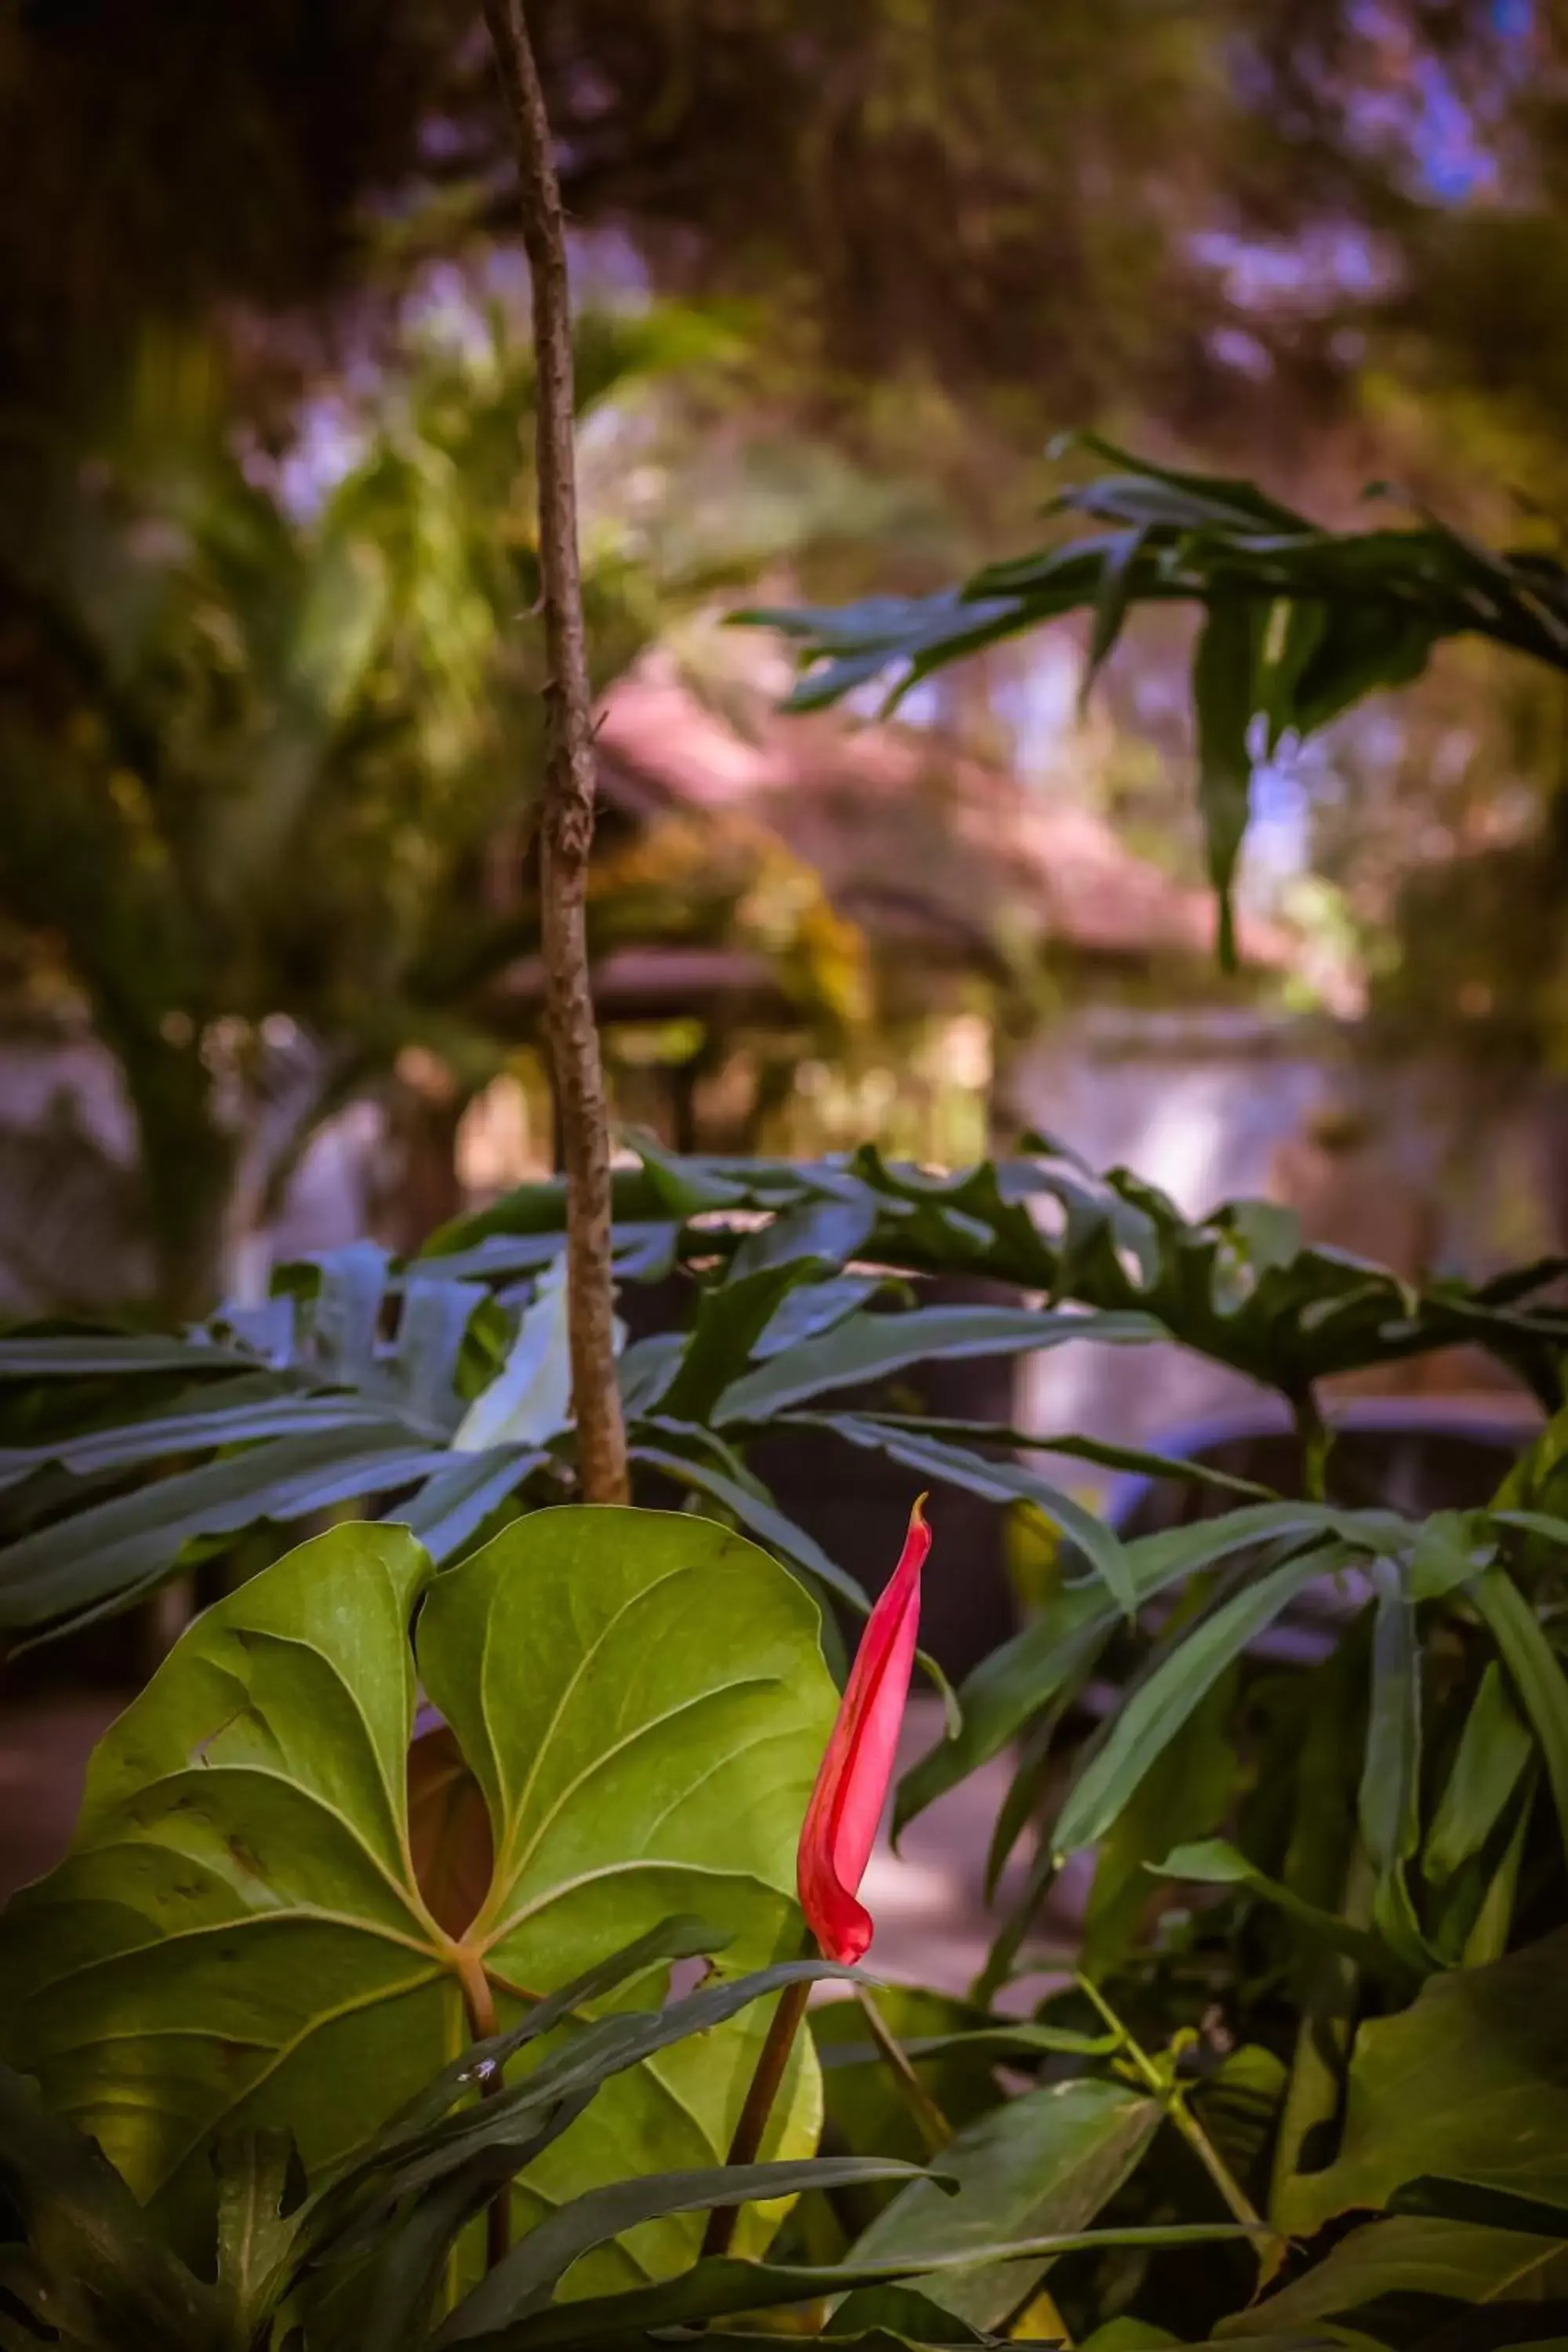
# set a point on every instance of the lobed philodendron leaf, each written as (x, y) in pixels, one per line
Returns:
(1471, 2083)
(239, 1942)
(531, 1397)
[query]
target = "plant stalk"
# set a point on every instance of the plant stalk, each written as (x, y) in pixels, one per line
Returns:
(772, 2060)
(566, 829)
(480, 2003)
(1314, 1437)
(934, 2129)
(1169, 2093)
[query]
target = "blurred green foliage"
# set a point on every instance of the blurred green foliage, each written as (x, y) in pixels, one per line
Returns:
(272, 741)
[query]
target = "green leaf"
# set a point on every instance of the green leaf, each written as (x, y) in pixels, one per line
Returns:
(870, 1347)
(872, 2339)
(909, 2314)
(432, 1328)
(1489, 1931)
(680, 1937)
(101, 1553)
(1130, 2335)
(1226, 693)
(645, 1369)
(1305, 621)
(1045, 2161)
(685, 1187)
(655, 1753)
(453, 1504)
(1118, 569)
(1238, 2106)
(239, 1852)
(812, 1308)
(1213, 1862)
(402, 2207)
(387, 2296)
(1493, 1751)
(1451, 1548)
(1362, 609)
(1540, 1523)
(1190, 1789)
(259, 2186)
(132, 1442)
(1470, 2082)
(731, 1316)
(955, 2047)
(895, 2316)
(1355, 648)
(1134, 1458)
(103, 2268)
(1016, 1682)
(531, 1397)
(1529, 1484)
(91, 1355)
(1000, 1482)
(235, 1941)
(1158, 1710)
(528, 2275)
(1537, 1676)
(429, 2146)
(712, 2289)
(763, 1517)
(1388, 1805)
(1204, 499)
(346, 1288)
(1493, 2209)
(819, 1233)
(1409, 2256)
(1003, 2037)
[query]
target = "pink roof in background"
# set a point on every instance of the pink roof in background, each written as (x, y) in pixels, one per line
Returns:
(908, 834)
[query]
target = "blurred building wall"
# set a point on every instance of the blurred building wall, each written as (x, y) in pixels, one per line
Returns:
(1427, 1166)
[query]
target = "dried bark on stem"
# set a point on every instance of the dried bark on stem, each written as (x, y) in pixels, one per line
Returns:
(566, 830)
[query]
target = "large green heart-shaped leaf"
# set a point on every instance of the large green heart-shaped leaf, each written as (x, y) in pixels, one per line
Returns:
(238, 1940)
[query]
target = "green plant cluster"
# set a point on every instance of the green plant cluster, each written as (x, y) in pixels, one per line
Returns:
(1316, 2023)
(1299, 622)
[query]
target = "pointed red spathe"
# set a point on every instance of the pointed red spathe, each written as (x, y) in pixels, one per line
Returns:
(851, 1788)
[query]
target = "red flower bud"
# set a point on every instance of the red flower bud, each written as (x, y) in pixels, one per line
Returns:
(846, 1806)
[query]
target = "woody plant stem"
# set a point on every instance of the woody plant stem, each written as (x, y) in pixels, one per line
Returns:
(772, 2060)
(566, 827)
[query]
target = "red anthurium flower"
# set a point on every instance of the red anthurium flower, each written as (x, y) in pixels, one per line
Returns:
(847, 1803)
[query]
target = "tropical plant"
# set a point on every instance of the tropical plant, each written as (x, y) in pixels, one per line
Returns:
(1309, 1860)
(311, 2053)
(444, 1382)
(1299, 622)
(341, 1996)
(259, 757)
(273, 757)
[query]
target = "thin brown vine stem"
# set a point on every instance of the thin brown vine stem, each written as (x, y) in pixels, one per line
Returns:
(772, 2060)
(566, 827)
(479, 2003)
